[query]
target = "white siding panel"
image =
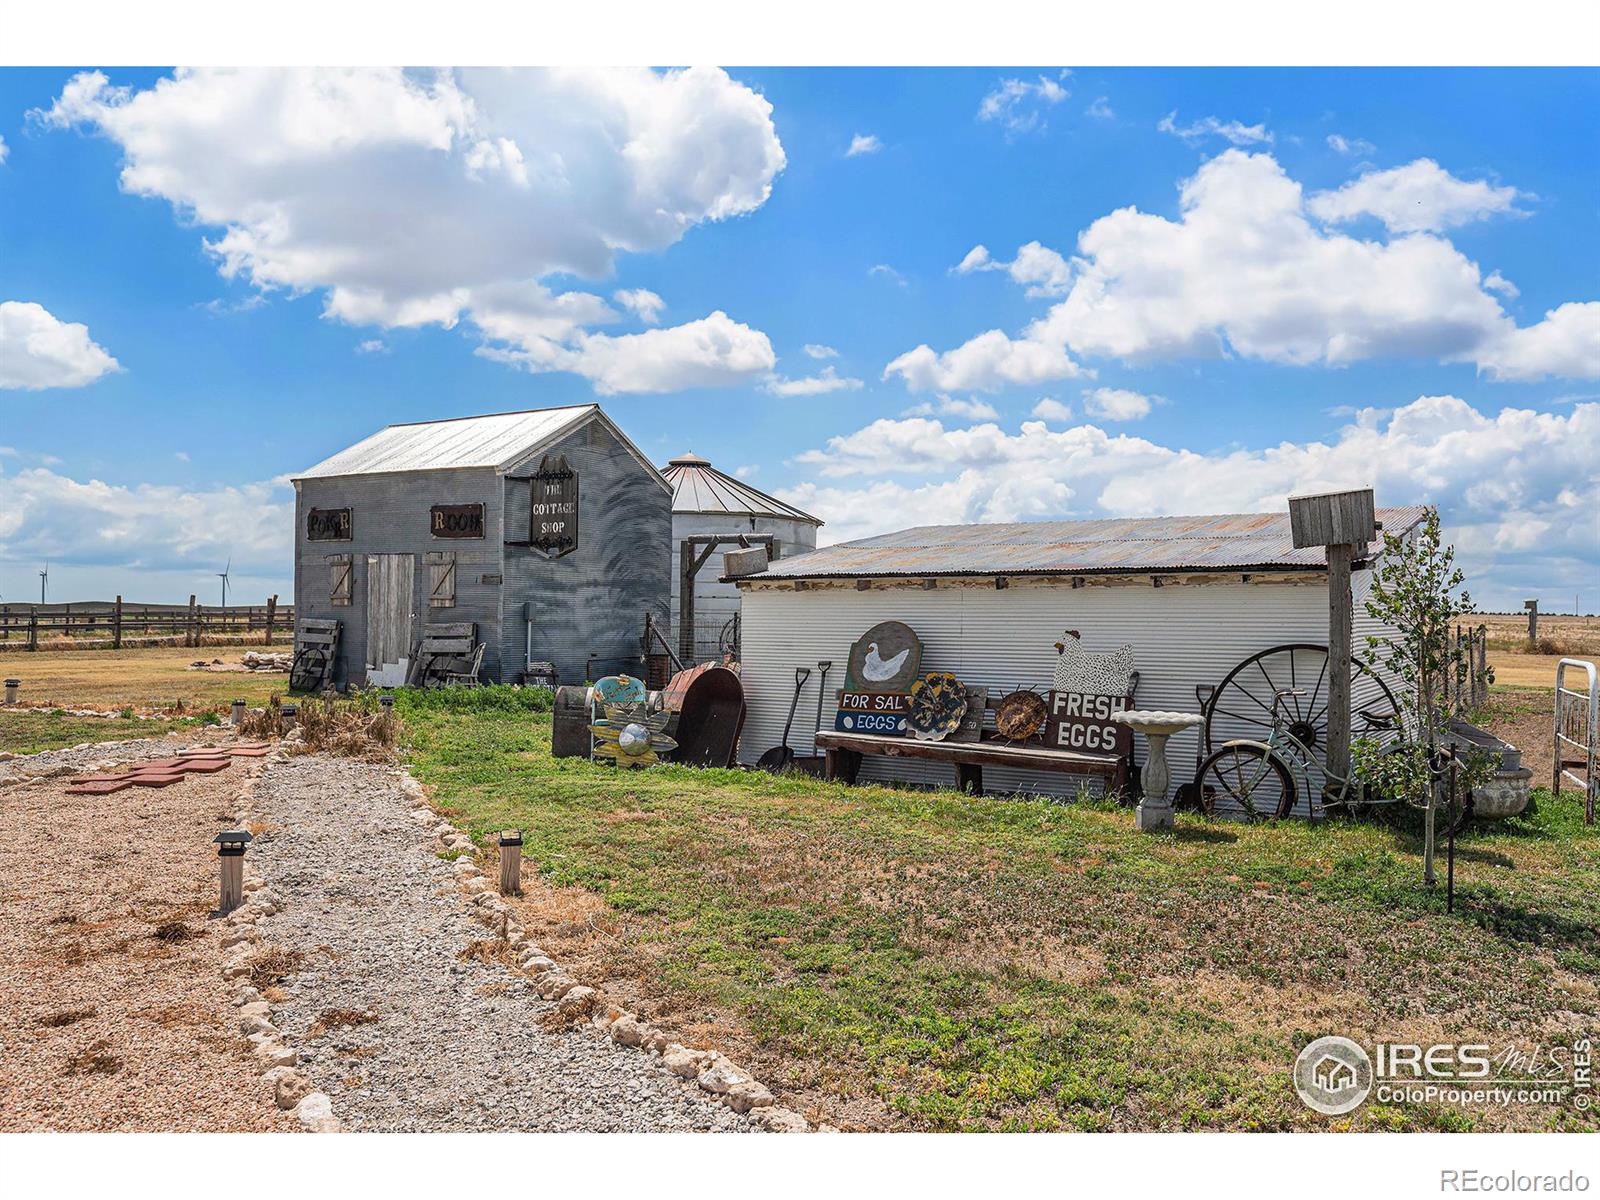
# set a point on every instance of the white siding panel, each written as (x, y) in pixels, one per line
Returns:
(1182, 635)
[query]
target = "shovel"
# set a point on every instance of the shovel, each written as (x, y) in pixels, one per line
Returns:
(780, 756)
(815, 762)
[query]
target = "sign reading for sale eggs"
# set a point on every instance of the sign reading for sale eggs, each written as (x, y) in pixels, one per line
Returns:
(1082, 721)
(872, 712)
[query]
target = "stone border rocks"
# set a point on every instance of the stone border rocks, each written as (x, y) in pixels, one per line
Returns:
(576, 1003)
(242, 943)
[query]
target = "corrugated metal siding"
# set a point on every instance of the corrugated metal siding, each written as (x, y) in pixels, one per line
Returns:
(1226, 541)
(486, 441)
(591, 601)
(389, 515)
(1003, 639)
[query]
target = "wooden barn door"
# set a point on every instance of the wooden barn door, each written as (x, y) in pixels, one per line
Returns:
(389, 583)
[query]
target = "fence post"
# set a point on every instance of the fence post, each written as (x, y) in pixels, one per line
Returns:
(192, 637)
(272, 612)
(116, 626)
(33, 627)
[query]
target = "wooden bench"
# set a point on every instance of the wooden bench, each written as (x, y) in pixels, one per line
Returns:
(845, 751)
(450, 655)
(316, 648)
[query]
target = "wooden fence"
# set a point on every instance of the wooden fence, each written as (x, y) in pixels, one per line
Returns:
(22, 626)
(1466, 688)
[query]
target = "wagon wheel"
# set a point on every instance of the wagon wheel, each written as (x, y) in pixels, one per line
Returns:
(1241, 707)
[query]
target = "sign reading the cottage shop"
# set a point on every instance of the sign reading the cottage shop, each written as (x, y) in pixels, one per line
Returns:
(873, 712)
(1081, 721)
(456, 521)
(328, 525)
(553, 508)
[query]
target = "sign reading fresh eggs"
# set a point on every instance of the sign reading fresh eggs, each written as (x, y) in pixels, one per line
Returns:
(872, 712)
(1082, 721)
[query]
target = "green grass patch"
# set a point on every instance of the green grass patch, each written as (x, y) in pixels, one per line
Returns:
(989, 963)
(33, 730)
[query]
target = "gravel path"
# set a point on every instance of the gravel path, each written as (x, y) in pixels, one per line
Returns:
(455, 1045)
(103, 1024)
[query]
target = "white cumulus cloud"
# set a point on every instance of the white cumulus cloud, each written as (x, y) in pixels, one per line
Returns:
(1019, 105)
(1245, 272)
(39, 351)
(1049, 409)
(1117, 404)
(828, 380)
(1037, 268)
(1517, 489)
(415, 198)
(1419, 196)
(817, 350)
(642, 303)
(863, 143)
(954, 406)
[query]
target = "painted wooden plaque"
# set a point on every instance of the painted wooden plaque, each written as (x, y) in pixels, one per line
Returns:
(328, 525)
(456, 521)
(553, 508)
(882, 713)
(887, 658)
(1083, 721)
(620, 689)
(971, 729)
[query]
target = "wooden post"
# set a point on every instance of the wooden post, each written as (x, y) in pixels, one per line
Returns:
(1343, 523)
(116, 625)
(1339, 620)
(1533, 619)
(511, 862)
(33, 627)
(192, 636)
(272, 615)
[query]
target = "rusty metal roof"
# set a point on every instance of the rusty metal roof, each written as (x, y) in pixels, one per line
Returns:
(698, 487)
(1134, 545)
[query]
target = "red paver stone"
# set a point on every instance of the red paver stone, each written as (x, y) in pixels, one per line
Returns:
(156, 781)
(99, 787)
(205, 766)
(261, 753)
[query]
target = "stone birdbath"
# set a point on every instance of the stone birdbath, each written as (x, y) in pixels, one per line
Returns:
(1155, 810)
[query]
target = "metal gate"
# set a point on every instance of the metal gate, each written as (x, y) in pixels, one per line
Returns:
(1577, 727)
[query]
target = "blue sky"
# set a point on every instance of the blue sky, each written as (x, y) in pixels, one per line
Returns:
(278, 266)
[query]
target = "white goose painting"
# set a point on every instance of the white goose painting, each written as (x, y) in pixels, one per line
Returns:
(884, 659)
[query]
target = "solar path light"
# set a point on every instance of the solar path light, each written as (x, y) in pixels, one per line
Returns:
(236, 716)
(386, 702)
(288, 716)
(511, 862)
(230, 844)
(11, 690)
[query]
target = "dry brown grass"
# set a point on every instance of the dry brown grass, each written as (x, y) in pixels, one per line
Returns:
(174, 931)
(273, 964)
(146, 679)
(347, 728)
(340, 1018)
(488, 951)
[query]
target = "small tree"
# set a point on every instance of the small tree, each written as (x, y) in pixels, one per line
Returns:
(1417, 592)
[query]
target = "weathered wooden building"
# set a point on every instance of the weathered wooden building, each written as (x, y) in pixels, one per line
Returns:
(1195, 596)
(711, 513)
(547, 529)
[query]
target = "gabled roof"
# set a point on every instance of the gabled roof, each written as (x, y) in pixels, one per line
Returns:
(698, 487)
(498, 440)
(1137, 545)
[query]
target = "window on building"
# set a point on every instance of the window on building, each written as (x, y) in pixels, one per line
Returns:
(441, 579)
(340, 570)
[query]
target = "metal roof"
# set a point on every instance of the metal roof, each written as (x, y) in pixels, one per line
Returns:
(1136, 545)
(698, 487)
(499, 440)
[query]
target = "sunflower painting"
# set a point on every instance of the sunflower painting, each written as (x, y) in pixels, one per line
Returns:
(629, 736)
(938, 703)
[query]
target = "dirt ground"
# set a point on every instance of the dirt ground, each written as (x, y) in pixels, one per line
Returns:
(113, 1014)
(144, 679)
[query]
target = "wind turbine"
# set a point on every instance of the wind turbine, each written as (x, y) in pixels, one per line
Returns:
(44, 578)
(223, 575)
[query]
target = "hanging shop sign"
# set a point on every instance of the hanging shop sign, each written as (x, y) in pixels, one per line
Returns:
(887, 658)
(328, 525)
(553, 508)
(1085, 722)
(456, 521)
(884, 713)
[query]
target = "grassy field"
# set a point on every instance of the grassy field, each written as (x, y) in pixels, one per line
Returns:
(146, 679)
(928, 960)
(29, 732)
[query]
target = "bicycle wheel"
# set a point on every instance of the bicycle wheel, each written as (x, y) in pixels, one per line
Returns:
(1241, 779)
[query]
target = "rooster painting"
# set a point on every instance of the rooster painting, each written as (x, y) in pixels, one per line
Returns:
(1095, 673)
